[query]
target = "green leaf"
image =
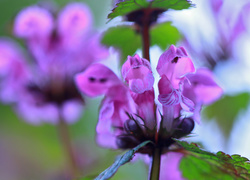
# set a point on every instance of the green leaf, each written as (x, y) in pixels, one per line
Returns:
(128, 6)
(123, 37)
(127, 40)
(109, 172)
(171, 4)
(226, 110)
(164, 35)
(198, 163)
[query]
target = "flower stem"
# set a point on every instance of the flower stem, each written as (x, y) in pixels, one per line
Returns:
(67, 146)
(155, 164)
(145, 40)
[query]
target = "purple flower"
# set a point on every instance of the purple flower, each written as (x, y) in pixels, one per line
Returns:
(129, 113)
(41, 84)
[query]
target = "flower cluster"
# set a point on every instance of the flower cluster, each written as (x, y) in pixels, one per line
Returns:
(130, 114)
(41, 84)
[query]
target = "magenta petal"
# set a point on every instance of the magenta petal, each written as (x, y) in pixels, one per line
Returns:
(112, 116)
(96, 80)
(145, 102)
(169, 99)
(175, 64)
(33, 22)
(168, 96)
(71, 111)
(107, 140)
(170, 163)
(140, 86)
(203, 88)
(187, 104)
(137, 72)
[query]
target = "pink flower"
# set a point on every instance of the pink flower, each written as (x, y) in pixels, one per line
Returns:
(170, 163)
(202, 89)
(129, 113)
(43, 90)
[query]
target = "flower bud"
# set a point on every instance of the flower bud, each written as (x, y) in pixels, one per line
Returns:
(184, 128)
(133, 128)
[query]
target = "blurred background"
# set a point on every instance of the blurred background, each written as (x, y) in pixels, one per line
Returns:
(216, 35)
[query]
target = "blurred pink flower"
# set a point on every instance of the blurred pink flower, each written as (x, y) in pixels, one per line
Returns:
(170, 163)
(42, 84)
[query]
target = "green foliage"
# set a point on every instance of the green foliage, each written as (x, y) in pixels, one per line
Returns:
(121, 160)
(173, 4)
(124, 38)
(226, 110)
(164, 34)
(128, 40)
(128, 6)
(197, 164)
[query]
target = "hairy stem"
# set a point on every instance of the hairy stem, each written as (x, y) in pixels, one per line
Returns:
(155, 164)
(68, 150)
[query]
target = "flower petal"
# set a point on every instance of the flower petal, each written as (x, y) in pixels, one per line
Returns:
(33, 22)
(203, 88)
(74, 21)
(187, 104)
(168, 96)
(175, 64)
(96, 80)
(137, 72)
(170, 162)
(71, 111)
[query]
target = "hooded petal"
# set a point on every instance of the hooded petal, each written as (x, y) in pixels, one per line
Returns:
(137, 73)
(33, 22)
(175, 64)
(96, 80)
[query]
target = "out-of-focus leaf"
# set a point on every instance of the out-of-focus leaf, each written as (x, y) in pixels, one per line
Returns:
(197, 164)
(128, 6)
(127, 40)
(226, 110)
(123, 37)
(109, 172)
(164, 35)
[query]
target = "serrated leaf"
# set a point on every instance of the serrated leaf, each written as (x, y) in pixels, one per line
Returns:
(198, 163)
(128, 6)
(226, 110)
(128, 40)
(109, 172)
(173, 4)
